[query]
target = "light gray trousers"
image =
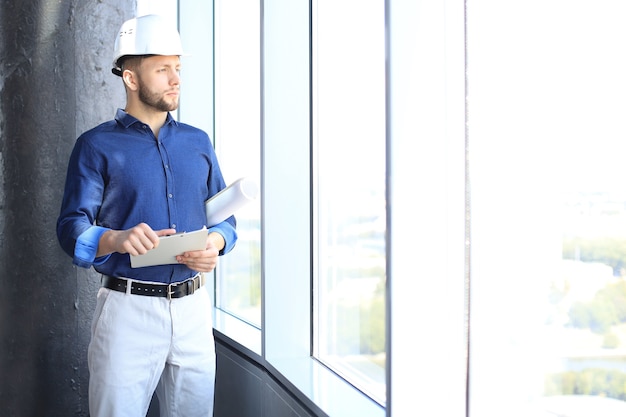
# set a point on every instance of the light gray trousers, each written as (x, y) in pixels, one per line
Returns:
(140, 344)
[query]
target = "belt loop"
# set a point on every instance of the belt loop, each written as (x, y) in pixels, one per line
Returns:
(129, 284)
(169, 292)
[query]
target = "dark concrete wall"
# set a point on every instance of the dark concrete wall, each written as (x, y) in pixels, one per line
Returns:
(55, 82)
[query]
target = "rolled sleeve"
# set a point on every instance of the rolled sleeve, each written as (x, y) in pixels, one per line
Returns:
(87, 247)
(228, 232)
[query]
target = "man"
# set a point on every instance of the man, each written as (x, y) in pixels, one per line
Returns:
(129, 182)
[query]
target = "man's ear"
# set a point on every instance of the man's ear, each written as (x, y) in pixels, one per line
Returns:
(129, 79)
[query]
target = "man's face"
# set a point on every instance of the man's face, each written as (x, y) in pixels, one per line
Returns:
(159, 82)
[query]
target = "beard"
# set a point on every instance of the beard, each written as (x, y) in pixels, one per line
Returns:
(156, 100)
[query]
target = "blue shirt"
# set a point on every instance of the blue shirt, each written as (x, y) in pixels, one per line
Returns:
(120, 175)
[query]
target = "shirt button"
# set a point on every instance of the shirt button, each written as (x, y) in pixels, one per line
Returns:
(173, 226)
(170, 196)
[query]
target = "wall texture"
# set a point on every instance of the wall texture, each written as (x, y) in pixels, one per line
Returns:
(55, 82)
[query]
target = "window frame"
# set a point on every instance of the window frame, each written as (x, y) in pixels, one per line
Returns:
(427, 221)
(287, 333)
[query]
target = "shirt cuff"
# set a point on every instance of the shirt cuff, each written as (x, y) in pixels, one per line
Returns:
(228, 233)
(87, 247)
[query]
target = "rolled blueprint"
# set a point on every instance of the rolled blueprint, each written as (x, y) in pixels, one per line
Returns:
(225, 203)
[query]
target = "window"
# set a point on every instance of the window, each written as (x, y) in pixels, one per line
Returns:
(238, 138)
(546, 86)
(349, 189)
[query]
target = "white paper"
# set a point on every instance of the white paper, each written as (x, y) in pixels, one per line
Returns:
(170, 247)
(225, 203)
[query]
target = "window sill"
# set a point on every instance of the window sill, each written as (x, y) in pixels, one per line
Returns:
(244, 334)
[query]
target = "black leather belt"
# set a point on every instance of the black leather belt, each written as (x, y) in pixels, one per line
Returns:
(177, 290)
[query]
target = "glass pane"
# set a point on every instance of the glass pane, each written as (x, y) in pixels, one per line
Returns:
(349, 179)
(237, 137)
(548, 208)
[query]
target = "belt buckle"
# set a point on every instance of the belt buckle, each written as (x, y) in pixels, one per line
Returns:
(190, 285)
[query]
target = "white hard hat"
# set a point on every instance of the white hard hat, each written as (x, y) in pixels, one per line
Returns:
(146, 35)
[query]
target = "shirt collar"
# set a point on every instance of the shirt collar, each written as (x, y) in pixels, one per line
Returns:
(127, 120)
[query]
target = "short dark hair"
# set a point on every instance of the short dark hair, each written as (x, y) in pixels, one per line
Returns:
(128, 62)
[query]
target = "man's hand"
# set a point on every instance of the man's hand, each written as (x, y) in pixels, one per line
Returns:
(204, 260)
(134, 241)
